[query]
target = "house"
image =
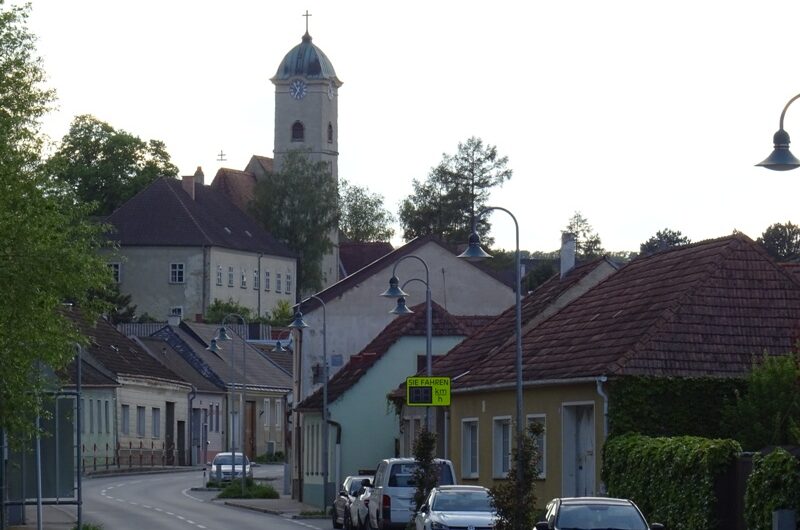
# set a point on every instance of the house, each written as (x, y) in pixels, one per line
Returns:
(149, 409)
(183, 245)
(366, 427)
(700, 310)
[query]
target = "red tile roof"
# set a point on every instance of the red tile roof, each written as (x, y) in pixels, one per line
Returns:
(238, 186)
(698, 310)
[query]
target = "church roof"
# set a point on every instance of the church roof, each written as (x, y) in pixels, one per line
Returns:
(306, 60)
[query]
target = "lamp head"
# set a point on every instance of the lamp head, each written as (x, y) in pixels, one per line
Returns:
(781, 158)
(474, 252)
(222, 334)
(298, 322)
(214, 347)
(279, 348)
(394, 290)
(401, 308)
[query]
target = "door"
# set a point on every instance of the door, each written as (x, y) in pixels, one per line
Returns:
(578, 450)
(196, 438)
(169, 434)
(181, 443)
(250, 429)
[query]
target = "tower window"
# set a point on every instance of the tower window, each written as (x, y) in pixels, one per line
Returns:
(330, 133)
(298, 132)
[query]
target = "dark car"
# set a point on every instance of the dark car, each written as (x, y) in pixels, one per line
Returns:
(594, 513)
(340, 511)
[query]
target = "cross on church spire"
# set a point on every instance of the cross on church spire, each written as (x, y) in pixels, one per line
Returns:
(306, 14)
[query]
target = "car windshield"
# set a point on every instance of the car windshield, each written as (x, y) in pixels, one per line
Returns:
(462, 501)
(225, 460)
(402, 475)
(599, 517)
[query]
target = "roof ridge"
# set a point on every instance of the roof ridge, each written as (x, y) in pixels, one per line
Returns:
(188, 212)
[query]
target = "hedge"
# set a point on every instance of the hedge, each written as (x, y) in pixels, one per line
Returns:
(774, 484)
(670, 479)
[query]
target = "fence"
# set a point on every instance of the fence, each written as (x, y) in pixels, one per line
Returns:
(132, 456)
(253, 331)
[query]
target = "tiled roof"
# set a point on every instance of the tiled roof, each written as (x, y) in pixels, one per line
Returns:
(92, 374)
(443, 325)
(117, 353)
(238, 186)
(698, 310)
(356, 255)
(171, 357)
(284, 360)
(164, 214)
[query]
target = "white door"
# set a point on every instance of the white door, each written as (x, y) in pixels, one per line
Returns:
(578, 451)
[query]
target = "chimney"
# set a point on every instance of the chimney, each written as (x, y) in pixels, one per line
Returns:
(199, 177)
(567, 253)
(174, 320)
(188, 185)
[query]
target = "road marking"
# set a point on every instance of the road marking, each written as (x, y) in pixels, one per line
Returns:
(304, 524)
(185, 494)
(146, 507)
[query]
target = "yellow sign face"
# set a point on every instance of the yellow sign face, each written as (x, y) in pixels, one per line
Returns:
(428, 391)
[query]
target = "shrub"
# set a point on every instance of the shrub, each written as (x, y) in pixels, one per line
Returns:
(274, 458)
(425, 475)
(670, 479)
(252, 491)
(774, 484)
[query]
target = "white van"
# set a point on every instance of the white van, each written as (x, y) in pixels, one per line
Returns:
(392, 500)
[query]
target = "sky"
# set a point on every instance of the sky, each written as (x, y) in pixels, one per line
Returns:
(641, 115)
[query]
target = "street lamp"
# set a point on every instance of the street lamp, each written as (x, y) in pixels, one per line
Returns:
(781, 158)
(475, 252)
(394, 291)
(299, 323)
(222, 336)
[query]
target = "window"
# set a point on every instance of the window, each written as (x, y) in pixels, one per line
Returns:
(99, 416)
(91, 416)
(176, 273)
(288, 284)
(266, 281)
(469, 448)
(267, 405)
(230, 276)
(244, 279)
(278, 414)
(216, 418)
(115, 270)
(156, 423)
(541, 419)
(330, 133)
(82, 414)
(108, 423)
(501, 446)
(126, 419)
(140, 422)
(256, 280)
(277, 282)
(219, 274)
(298, 132)
(176, 311)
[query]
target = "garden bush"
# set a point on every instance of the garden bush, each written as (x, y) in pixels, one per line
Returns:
(252, 491)
(774, 484)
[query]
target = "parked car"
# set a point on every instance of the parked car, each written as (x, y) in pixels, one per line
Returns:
(359, 508)
(222, 467)
(456, 507)
(392, 500)
(340, 511)
(591, 513)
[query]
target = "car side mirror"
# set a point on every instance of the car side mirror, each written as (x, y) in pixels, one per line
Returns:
(423, 508)
(657, 526)
(542, 525)
(343, 493)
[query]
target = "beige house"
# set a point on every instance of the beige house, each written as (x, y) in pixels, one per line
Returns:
(182, 245)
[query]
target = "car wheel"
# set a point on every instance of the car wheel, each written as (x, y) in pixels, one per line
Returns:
(333, 517)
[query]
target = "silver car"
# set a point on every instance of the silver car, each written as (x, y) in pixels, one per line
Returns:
(223, 467)
(594, 513)
(456, 507)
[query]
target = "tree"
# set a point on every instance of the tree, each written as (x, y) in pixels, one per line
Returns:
(426, 472)
(105, 166)
(514, 498)
(782, 241)
(48, 249)
(663, 239)
(362, 214)
(454, 191)
(298, 205)
(219, 309)
(587, 242)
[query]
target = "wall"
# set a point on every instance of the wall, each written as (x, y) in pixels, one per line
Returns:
(98, 440)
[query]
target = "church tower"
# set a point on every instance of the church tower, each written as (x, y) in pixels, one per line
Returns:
(306, 115)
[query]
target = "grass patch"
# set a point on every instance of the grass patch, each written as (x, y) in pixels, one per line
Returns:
(314, 514)
(88, 526)
(251, 491)
(274, 458)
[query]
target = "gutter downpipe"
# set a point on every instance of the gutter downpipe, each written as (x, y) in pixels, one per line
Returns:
(337, 452)
(600, 381)
(260, 254)
(191, 396)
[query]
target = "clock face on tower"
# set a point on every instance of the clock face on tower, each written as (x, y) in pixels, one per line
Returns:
(297, 89)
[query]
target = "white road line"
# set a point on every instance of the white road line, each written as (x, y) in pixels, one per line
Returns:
(169, 513)
(190, 521)
(146, 506)
(201, 526)
(185, 494)
(303, 524)
(182, 518)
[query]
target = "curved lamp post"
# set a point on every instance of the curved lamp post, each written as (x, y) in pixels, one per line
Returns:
(781, 158)
(299, 323)
(223, 336)
(475, 252)
(394, 291)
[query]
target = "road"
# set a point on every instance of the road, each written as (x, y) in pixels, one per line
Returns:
(167, 502)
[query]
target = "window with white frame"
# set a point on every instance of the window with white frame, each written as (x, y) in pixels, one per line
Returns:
(91, 416)
(216, 417)
(278, 414)
(99, 416)
(156, 422)
(277, 282)
(140, 422)
(541, 442)
(219, 274)
(108, 416)
(115, 271)
(256, 280)
(267, 405)
(266, 280)
(501, 446)
(126, 419)
(288, 284)
(469, 448)
(176, 311)
(82, 414)
(243, 279)
(230, 276)
(176, 272)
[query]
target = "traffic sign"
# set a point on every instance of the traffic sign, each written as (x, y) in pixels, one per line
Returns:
(428, 391)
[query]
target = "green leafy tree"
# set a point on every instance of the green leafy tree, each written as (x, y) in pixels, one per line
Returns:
(540, 273)
(587, 242)
(445, 203)
(106, 167)
(298, 205)
(219, 309)
(281, 315)
(514, 499)
(426, 474)
(120, 309)
(663, 239)
(782, 241)
(363, 217)
(48, 249)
